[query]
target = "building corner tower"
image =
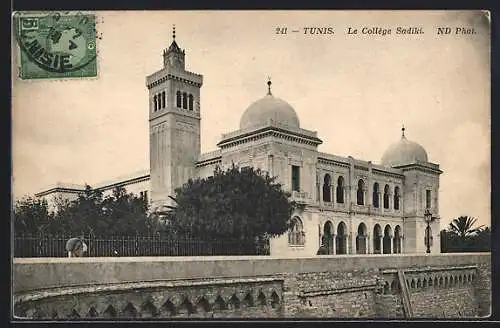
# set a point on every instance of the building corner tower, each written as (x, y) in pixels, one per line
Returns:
(174, 125)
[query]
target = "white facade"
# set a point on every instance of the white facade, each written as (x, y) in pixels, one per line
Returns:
(354, 206)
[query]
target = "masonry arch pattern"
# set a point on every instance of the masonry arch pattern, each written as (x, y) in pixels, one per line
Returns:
(175, 306)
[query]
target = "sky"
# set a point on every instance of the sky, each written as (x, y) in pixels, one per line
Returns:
(356, 91)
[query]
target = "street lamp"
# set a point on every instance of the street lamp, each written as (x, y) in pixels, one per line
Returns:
(428, 219)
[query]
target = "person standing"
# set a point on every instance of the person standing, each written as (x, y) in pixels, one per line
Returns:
(76, 247)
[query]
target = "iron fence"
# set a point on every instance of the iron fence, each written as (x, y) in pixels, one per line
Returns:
(100, 246)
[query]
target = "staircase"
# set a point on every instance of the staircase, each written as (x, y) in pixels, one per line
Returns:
(405, 295)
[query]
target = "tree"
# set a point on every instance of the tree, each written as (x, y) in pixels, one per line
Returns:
(482, 240)
(87, 212)
(91, 213)
(125, 213)
(462, 236)
(31, 216)
(239, 204)
(463, 226)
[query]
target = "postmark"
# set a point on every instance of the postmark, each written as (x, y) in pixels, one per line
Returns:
(56, 44)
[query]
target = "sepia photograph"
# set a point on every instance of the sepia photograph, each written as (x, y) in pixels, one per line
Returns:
(222, 165)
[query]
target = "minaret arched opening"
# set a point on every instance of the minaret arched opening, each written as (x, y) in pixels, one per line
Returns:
(327, 188)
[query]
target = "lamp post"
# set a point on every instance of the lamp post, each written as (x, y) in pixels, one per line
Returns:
(428, 219)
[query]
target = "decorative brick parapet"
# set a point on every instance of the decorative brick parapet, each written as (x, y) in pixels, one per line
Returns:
(238, 297)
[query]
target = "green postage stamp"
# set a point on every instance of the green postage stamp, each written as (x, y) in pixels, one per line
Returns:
(56, 44)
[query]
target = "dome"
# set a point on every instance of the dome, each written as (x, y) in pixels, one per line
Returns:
(404, 152)
(269, 108)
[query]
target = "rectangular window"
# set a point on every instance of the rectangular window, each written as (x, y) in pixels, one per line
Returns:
(427, 199)
(295, 178)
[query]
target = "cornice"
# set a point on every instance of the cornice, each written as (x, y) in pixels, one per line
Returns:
(322, 160)
(269, 131)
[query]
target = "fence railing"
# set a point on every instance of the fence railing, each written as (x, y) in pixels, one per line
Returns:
(55, 246)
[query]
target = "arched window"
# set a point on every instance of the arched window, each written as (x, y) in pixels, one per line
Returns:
(327, 190)
(328, 237)
(340, 190)
(178, 99)
(397, 240)
(163, 99)
(296, 234)
(341, 238)
(377, 236)
(361, 192)
(376, 192)
(184, 100)
(387, 242)
(396, 198)
(361, 239)
(190, 102)
(386, 196)
(155, 101)
(160, 103)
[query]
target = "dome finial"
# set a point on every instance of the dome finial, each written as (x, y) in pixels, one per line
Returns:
(173, 32)
(269, 85)
(403, 131)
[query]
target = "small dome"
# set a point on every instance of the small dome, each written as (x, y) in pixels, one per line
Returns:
(269, 108)
(404, 152)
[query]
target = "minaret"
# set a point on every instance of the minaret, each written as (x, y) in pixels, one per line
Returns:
(174, 124)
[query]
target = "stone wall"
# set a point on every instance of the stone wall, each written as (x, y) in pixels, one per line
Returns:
(440, 286)
(434, 292)
(482, 287)
(337, 294)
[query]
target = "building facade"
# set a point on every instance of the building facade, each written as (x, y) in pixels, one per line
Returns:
(351, 206)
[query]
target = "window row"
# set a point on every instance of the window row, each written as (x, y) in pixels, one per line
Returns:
(184, 100)
(159, 101)
(335, 241)
(360, 193)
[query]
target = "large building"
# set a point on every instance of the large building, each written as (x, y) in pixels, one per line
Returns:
(353, 206)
